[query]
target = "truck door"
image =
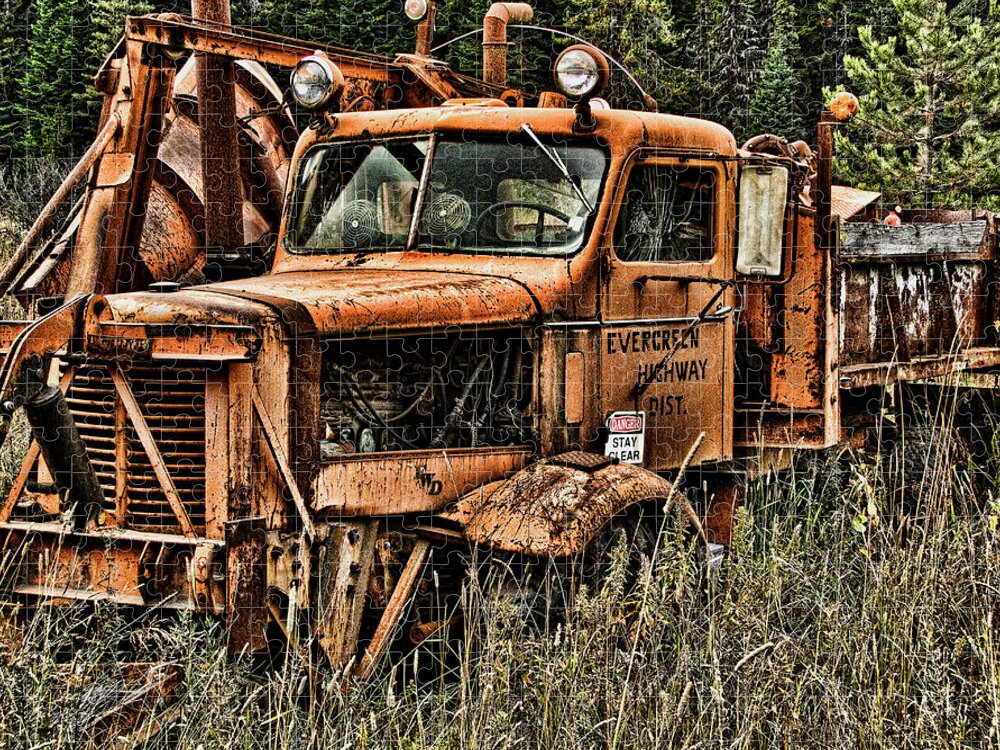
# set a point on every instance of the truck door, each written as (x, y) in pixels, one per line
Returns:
(667, 330)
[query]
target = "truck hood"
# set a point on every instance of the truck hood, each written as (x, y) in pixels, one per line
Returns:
(340, 301)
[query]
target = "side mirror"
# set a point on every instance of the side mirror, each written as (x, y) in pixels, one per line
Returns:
(763, 204)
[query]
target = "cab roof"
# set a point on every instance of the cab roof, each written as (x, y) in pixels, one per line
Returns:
(621, 129)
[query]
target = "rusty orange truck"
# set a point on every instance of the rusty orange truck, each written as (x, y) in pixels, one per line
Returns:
(278, 366)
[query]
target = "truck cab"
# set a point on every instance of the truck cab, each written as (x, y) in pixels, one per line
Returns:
(482, 324)
(461, 219)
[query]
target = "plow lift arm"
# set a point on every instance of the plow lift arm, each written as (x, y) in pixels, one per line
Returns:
(159, 202)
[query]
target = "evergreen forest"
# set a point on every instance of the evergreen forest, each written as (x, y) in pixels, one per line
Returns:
(926, 71)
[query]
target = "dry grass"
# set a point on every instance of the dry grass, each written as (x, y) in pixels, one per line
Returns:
(826, 628)
(823, 629)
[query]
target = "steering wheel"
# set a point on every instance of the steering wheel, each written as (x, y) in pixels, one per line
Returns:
(541, 209)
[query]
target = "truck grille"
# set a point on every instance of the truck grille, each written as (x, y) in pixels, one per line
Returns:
(172, 400)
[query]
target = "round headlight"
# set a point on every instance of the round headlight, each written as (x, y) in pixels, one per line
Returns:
(316, 82)
(580, 71)
(415, 9)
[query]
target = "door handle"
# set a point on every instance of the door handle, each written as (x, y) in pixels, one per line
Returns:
(641, 281)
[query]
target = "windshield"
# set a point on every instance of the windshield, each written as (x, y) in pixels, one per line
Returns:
(497, 198)
(356, 196)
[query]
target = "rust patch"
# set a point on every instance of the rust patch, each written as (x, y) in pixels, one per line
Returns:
(725, 494)
(409, 481)
(246, 585)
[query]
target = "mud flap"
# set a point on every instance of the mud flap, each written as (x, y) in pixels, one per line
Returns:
(246, 587)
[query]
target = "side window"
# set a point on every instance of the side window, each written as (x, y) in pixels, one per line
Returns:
(667, 214)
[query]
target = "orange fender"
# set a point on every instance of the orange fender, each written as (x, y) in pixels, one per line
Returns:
(556, 506)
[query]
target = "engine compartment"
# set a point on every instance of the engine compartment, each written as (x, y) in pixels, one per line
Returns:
(448, 389)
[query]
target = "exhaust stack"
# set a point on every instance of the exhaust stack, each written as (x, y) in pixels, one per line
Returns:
(495, 38)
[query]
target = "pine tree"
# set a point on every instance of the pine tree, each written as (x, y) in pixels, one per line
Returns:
(55, 99)
(697, 21)
(13, 44)
(369, 25)
(735, 59)
(380, 26)
(108, 24)
(776, 103)
(926, 95)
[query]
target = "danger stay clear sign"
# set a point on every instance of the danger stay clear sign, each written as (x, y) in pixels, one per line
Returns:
(626, 436)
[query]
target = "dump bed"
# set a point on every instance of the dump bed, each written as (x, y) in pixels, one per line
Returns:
(919, 299)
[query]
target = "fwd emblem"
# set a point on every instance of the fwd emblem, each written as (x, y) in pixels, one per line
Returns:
(426, 480)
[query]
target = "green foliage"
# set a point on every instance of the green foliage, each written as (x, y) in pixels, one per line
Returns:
(777, 103)
(639, 34)
(741, 63)
(376, 26)
(13, 45)
(382, 27)
(928, 96)
(108, 23)
(53, 87)
(735, 56)
(752, 65)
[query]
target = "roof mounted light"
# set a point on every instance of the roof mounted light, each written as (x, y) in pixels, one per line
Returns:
(316, 82)
(415, 9)
(581, 72)
(844, 105)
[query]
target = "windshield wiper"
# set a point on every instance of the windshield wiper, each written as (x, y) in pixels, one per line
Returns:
(558, 163)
